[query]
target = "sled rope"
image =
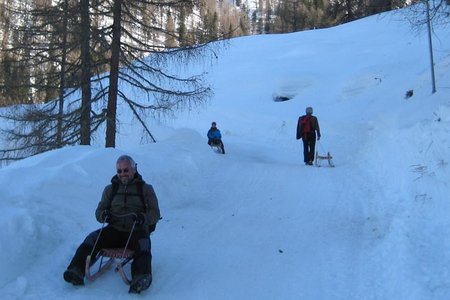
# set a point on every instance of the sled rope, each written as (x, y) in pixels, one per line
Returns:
(321, 147)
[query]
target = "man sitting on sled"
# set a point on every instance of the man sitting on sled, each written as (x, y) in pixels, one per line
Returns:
(130, 207)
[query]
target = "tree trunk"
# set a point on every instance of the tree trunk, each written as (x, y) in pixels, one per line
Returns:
(62, 75)
(85, 117)
(111, 113)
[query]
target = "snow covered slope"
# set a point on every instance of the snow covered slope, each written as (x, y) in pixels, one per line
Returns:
(257, 223)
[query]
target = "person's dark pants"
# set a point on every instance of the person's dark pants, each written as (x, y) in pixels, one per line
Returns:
(113, 238)
(309, 145)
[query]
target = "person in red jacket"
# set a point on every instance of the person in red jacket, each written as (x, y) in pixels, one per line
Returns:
(307, 127)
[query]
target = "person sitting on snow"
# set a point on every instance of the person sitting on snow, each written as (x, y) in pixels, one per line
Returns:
(214, 137)
(307, 127)
(130, 207)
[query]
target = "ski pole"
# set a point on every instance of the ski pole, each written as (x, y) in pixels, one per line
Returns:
(88, 258)
(98, 237)
(129, 238)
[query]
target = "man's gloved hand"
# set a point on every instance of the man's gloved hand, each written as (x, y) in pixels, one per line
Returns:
(106, 215)
(140, 219)
(318, 138)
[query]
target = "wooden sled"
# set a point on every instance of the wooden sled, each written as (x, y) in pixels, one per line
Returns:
(217, 146)
(320, 158)
(113, 254)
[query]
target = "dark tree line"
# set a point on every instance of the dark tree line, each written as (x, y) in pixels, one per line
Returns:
(281, 16)
(439, 13)
(45, 63)
(74, 62)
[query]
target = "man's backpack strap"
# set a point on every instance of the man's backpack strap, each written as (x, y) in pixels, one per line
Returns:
(140, 191)
(114, 189)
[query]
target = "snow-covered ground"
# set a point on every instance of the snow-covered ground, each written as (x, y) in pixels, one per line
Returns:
(256, 223)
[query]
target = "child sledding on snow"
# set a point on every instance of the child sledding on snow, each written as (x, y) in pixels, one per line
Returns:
(215, 138)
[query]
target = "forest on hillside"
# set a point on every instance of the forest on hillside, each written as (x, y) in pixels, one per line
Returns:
(67, 59)
(32, 31)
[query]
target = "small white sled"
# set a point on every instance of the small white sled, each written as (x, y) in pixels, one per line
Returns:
(320, 158)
